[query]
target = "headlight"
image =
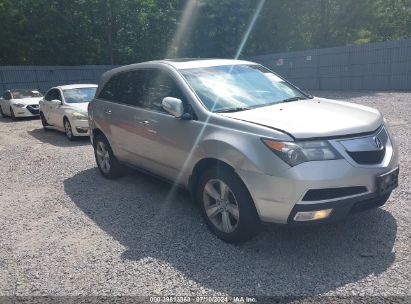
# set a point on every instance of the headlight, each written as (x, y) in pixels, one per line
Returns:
(79, 116)
(295, 153)
(19, 105)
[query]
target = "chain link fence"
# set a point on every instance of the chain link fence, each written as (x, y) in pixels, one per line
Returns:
(45, 77)
(382, 66)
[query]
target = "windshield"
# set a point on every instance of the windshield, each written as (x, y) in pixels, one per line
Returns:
(239, 87)
(20, 94)
(79, 95)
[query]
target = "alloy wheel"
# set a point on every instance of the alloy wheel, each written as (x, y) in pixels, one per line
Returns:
(67, 128)
(103, 157)
(221, 206)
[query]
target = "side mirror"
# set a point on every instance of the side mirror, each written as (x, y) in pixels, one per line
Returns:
(56, 102)
(174, 106)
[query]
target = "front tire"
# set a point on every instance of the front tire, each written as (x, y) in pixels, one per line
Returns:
(68, 129)
(107, 163)
(227, 206)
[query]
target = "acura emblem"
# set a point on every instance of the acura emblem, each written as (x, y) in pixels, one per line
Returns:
(378, 143)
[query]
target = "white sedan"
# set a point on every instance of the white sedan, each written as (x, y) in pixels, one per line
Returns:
(20, 103)
(65, 108)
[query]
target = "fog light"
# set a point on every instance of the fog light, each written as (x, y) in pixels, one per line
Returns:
(312, 215)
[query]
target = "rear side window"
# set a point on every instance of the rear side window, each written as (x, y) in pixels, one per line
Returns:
(110, 89)
(141, 88)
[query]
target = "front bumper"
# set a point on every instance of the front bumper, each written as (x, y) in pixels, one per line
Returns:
(340, 209)
(278, 198)
(80, 128)
(27, 111)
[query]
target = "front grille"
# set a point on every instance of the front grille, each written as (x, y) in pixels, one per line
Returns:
(332, 193)
(369, 150)
(368, 157)
(33, 109)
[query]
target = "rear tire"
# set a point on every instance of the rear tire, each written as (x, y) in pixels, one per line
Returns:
(68, 129)
(44, 121)
(107, 163)
(227, 206)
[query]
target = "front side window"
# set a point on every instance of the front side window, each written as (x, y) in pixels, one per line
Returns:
(20, 94)
(7, 95)
(158, 86)
(239, 87)
(53, 94)
(79, 95)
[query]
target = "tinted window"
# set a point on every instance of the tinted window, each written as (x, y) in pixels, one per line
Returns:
(132, 87)
(127, 88)
(142, 88)
(7, 95)
(159, 85)
(53, 94)
(110, 90)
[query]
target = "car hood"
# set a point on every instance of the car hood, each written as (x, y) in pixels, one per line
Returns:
(316, 117)
(28, 101)
(81, 107)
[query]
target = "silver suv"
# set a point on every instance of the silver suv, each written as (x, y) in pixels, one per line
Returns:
(246, 143)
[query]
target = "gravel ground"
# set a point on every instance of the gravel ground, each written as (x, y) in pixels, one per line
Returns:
(65, 230)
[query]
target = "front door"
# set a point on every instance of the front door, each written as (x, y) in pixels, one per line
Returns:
(165, 141)
(51, 108)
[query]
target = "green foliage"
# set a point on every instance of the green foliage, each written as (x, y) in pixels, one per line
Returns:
(73, 32)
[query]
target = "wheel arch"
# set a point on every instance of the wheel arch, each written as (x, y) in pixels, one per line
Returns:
(97, 132)
(204, 164)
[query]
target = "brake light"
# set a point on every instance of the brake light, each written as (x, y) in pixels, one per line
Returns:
(89, 107)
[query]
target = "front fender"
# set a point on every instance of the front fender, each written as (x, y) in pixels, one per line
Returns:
(244, 152)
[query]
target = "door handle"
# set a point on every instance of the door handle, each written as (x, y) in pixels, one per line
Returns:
(108, 112)
(144, 122)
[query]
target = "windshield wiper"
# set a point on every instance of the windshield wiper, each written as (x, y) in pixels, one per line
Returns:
(229, 110)
(295, 98)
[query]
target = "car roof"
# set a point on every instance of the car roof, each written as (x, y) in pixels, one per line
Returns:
(178, 63)
(185, 63)
(76, 86)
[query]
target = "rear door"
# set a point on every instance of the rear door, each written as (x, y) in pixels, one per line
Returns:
(115, 113)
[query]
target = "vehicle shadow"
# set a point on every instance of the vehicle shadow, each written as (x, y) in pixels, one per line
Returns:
(139, 212)
(19, 119)
(57, 138)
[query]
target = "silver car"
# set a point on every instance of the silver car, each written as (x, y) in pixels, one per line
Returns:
(248, 145)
